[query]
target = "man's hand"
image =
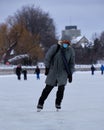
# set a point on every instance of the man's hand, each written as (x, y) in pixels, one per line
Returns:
(70, 78)
(46, 71)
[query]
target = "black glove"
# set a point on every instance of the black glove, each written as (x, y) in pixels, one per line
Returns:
(70, 78)
(46, 71)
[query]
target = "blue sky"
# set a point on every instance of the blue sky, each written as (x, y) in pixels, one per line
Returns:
(88, 15)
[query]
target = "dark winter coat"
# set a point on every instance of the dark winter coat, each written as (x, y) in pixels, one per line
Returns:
(37, 70)
(18, 70)
(56, 67)
(24, 72)
(102, 68)
(93, 68)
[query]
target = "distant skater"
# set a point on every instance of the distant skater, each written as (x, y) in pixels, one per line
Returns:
(18, 72)
(102, 69)
(25, 74)
(37, 72)
(92, 69)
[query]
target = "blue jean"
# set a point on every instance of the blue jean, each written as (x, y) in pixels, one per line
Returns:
(38, 76)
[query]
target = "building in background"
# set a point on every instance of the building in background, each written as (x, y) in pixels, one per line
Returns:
(80, 41)
(74, 35)
(71, 32)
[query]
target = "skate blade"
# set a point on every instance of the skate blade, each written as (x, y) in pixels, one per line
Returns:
(57, 110)
(38, 110)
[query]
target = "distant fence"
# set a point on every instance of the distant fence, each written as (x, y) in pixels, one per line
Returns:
(86, 67)
(11, 70)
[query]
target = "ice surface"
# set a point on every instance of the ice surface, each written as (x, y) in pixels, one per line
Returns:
(82, 106)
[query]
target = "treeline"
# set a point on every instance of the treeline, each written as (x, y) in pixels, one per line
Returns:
(30, 31)
(29, 34)
(92, 53)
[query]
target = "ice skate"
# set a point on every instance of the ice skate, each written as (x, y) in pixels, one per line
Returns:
(58, 107)
(39, 108)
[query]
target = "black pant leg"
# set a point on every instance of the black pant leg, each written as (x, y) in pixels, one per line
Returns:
(19, 77)
(25, 77)
(59, 95)
(44, 94)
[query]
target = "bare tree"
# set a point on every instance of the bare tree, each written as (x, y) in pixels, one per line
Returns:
(38, 23)
(9, 41)
(30, 31)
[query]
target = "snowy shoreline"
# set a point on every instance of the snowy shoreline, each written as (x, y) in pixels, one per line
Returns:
(10, 69)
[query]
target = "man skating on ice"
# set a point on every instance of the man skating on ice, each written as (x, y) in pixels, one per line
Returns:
(56, 71)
